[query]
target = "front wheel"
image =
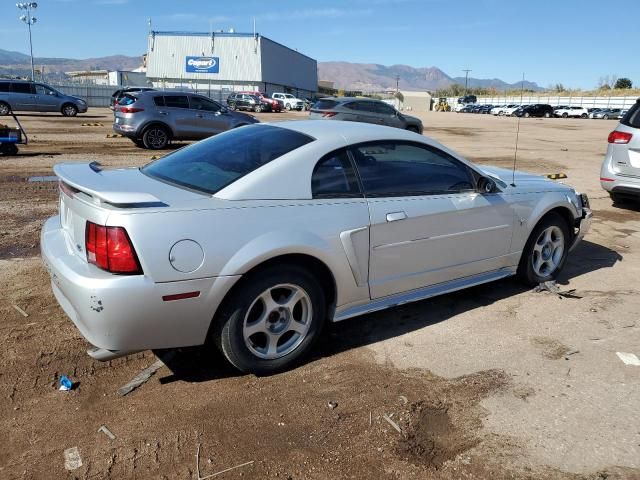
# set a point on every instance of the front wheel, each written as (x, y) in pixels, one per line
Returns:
(257, 108)
(288, 106)
(606, 117)
(584, 115)
(8, 149)
(527, 115)
(547, 114)
(565, 115)
(69, 110)
(4, 109)
(272, 321)
(546, 250)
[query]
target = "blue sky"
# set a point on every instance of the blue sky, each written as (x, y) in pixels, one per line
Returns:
(573, 42)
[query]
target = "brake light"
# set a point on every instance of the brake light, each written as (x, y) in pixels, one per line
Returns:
(110, 249)
(329, 114)
(619, 137)
(131, 109)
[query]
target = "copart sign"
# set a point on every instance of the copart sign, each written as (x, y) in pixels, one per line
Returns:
(203, 64)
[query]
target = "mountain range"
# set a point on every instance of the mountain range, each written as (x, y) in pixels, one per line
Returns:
(367, 77)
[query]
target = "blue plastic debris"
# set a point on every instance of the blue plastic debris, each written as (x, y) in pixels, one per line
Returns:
(65, 383)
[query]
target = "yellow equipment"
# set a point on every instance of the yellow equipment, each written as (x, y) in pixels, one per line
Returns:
(443, 105)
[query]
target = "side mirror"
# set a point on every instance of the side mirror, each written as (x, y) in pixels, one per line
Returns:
(486, 185)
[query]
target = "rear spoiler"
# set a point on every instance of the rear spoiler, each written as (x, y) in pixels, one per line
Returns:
(89, 179)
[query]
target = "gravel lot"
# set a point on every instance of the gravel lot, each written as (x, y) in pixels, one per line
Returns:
(493, 382)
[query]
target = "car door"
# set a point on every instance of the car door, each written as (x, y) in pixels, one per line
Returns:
(46, 99)
(388, 115)
(208, 117)
(22, 96)
(176, 112)
(428, 223)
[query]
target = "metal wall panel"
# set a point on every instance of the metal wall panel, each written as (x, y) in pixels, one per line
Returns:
(239, 56)
(286, 67)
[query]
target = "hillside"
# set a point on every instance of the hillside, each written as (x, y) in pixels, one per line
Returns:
(374, 77)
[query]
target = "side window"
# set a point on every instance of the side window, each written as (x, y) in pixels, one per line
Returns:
(199, 103)
(176, 101)
(4, 86)
(159, 101)
(42, 90)
(333, 177)
(396, 169)
(22, 87)
(384, 109)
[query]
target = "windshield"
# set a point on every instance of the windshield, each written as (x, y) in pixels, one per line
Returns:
(212, 164)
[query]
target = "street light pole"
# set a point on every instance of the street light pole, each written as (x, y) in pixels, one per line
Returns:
(466, 79)
(29, 20)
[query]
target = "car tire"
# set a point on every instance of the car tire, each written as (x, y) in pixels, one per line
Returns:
(9, 149)
(546, 250)
(287, 107)
(526, 115)
(138, 142)
(69, 110)
(4, 109)
(265, 305)
(547, 114)
(257, 109)
(584, 115)
(605, 117)
(232, 106)
(565, 115)
(156, 137)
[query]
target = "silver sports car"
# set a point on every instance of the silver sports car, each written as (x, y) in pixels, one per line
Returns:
(252, 239)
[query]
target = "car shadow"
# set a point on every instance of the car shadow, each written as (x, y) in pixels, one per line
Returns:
(627, 204)
(57, 115)
(198, 364)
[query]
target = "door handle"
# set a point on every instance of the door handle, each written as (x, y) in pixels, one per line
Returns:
(395, 216)
(162, 112)
(199, 115)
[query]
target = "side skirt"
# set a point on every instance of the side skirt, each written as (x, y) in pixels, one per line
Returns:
(423, 293)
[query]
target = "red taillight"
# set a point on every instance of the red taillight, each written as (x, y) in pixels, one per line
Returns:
(605, 179)
(131, 109)
(110, 249)
(619, 137)
(329, 114)
(67, 189)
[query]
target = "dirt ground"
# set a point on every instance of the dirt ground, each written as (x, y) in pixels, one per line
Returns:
(496, 382)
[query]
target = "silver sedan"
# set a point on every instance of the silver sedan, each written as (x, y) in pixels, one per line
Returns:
(252, 239)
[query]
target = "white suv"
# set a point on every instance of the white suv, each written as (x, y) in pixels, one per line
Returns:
(620, 173)
(289, 101)
(504, 109)
(576, 112)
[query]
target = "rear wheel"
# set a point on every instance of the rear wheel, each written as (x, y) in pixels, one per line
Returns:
(69, 110)
(546, 250)
(272, 321)
(527, 114)
(257, 108)
(288, 106)
(605, 117)
(565, 115)
(584, 115)
(4, 108)
(232, 106)
(155, 137)
(547, 114)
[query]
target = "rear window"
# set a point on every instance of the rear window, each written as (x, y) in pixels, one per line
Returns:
(325, 104)
(21, 87)
(212, 164)
(632, 117)
(126, 100)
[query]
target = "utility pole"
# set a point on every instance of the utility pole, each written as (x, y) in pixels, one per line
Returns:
(29, 20)
(466, 79)
(397, 83)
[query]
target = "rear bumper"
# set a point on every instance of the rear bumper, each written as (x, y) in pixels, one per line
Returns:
(127, 312)
(126, 130)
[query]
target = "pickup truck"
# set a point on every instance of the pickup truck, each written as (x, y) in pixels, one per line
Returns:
(288, 101)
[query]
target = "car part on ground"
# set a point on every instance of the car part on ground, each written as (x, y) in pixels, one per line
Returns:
(11, 137)
(369, 217)
(152, 119)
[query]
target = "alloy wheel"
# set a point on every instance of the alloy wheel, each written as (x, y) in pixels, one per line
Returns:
(157, 138)
(548, 251)
(277, 321)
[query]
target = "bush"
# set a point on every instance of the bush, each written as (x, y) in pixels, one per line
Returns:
(623, 83)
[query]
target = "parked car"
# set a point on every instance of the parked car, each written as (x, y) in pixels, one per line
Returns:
(500, 109)
(208, 245)
(363, 110)
(118, 94)
(622, 113)
(245, 101)
(276, 106)
(574, 112)
(606, 113)
(485, 109)
(620, 173)
(26, 96)
(153, 119)
(593, 109)
(560, 107)
(468, 99)
(535, 110)
(308, 103)
(475, 108)
(509, 109)
(289, 101)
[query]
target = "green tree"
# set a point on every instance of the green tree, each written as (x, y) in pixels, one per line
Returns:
(399, 96)
(623, 83)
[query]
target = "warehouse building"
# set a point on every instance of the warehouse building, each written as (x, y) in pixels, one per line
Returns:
(228, 61)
